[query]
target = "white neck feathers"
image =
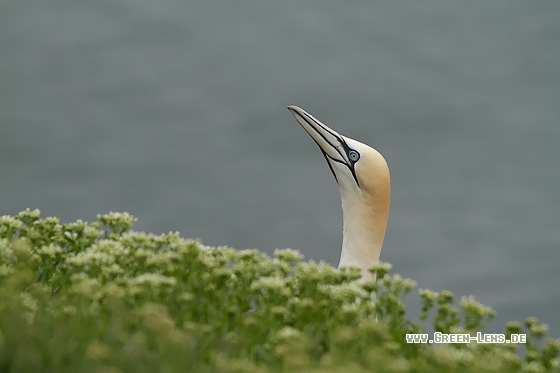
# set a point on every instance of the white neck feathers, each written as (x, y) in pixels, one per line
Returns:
(365, 213)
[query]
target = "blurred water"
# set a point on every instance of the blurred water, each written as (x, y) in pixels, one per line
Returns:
(175, 112)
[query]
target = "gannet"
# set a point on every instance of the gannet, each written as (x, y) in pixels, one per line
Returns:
(364, 184)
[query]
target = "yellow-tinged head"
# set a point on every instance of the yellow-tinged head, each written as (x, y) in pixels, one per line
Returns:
(364, 183)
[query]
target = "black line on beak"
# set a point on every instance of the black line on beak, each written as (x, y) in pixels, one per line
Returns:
(342, 142)
(329, 163)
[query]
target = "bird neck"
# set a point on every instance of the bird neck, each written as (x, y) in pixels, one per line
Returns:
(364, 231)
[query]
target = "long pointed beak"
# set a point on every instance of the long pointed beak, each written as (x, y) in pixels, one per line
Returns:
(331, 143)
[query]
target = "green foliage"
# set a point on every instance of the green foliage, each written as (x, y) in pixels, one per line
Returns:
(99, 297)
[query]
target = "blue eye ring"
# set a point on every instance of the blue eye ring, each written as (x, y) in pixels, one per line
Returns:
(353, 155)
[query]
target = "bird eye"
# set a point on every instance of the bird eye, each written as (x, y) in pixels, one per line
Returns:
(353, 155)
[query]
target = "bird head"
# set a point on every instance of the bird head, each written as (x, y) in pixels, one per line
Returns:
(364, 184)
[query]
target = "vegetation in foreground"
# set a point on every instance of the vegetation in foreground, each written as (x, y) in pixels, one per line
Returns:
(99, 297)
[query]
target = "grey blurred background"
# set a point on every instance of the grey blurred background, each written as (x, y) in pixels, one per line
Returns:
(175, 112)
